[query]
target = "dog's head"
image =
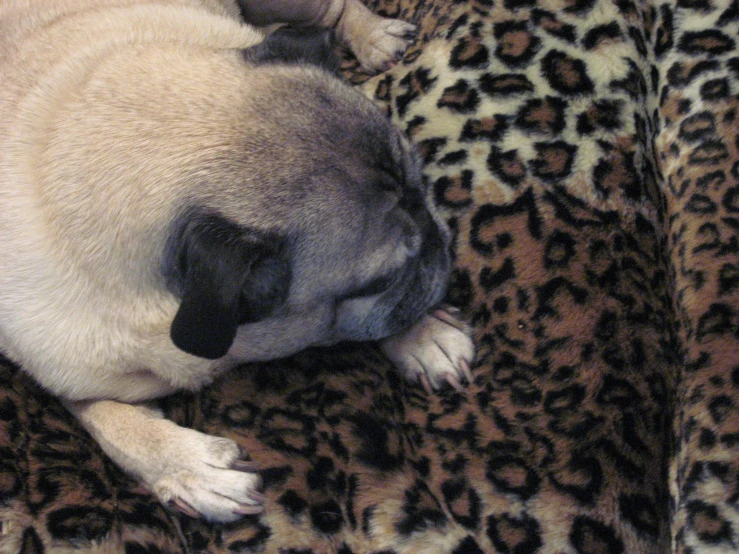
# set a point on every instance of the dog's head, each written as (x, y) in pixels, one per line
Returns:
(322, 233)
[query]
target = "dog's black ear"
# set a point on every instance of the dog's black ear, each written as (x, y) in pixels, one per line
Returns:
(296, 45)
(226, 276)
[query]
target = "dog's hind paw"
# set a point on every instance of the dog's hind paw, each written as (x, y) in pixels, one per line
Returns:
(384, 45)
(377, 42)
(437, 350)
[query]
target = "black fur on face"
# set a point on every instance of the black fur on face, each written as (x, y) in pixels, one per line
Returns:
(296, 45)
(226, 275)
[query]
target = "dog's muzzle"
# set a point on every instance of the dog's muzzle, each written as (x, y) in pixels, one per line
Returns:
(405, 296)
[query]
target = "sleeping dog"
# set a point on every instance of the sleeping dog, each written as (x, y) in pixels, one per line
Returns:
(179, 195)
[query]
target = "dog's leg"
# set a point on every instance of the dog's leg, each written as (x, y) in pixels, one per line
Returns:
(378, 42)
(436, 350)
(196, 473)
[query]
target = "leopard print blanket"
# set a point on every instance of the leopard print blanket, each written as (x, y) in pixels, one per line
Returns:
(586, 156)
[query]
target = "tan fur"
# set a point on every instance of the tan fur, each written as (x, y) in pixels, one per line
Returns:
(115, 117)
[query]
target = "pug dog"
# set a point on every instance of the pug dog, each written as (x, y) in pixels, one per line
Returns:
(180, 195)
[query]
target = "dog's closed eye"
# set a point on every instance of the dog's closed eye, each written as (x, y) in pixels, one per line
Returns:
(372, 288)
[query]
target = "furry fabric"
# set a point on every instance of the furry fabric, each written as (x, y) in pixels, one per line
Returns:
(586, 155)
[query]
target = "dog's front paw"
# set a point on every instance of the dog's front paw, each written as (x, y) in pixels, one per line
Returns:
(436, 350)
(205, 476)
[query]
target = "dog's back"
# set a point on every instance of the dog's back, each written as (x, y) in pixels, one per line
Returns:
(58, 126)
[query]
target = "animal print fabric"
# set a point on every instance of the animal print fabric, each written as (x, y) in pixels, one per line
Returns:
(697, 60)
(585, 154)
